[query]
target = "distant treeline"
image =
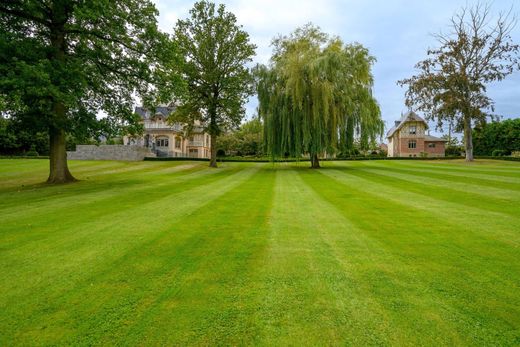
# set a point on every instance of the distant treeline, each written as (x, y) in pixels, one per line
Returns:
(497, 138)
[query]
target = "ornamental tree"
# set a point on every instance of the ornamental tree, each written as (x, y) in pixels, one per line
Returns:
(215, 52)
(63, 61)
(451, 83)
(315, 96)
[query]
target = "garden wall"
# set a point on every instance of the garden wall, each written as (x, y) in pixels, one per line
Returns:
(109, 152)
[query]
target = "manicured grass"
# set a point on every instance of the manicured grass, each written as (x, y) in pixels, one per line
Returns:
(173, 253)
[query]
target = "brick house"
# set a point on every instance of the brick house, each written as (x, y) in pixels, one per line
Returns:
(408, 138)
(168, 140)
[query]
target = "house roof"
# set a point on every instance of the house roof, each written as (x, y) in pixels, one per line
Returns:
(430, 138)
(407, 117)
(147, 114)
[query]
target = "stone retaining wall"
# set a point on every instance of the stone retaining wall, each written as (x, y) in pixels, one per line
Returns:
(109, 152)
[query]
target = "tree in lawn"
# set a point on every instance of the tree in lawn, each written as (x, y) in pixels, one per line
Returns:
(63, 61)
(315, 96)
(451, 84)
(216, 51)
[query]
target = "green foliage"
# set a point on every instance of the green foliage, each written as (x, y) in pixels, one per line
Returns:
(246, 141)
(451, 83)
(315, 95)
(498, 153)
(215, 52)
(453, 151)
(503, 137)
(62, 62)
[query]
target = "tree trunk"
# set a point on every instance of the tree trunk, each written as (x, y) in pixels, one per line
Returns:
(315, 163)
(468, 139)
(213, 151)
(59, 171)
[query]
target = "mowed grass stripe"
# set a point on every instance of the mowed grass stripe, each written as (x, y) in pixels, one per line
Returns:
(500, 205)
(85, 195)
(183, 286)
(492, 167)
(457, 184)
(439, 273)
(480, 177)
(456, 178)
(312, 290)
(460, 214)
(257, 254)
(213, 291)
(92, 243)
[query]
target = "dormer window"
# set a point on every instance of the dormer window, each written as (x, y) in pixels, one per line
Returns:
(413, 129)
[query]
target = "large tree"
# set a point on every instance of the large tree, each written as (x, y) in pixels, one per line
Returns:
(216, 51)
(315, 96)
(64, 61)
(451, 83)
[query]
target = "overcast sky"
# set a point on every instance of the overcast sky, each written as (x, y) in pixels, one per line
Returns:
(397, 33)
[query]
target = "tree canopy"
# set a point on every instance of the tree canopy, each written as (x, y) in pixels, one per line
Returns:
(62, 62)
(451, 83)
(315, 95)
(497, 137)
(215, 52)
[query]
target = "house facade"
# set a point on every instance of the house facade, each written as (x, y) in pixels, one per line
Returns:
(168, 140)
(408, 138)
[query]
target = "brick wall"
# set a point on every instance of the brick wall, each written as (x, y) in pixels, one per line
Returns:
(404, 151)
(438, 151)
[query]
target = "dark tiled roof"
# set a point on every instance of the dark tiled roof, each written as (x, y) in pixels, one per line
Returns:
(147, 114)
(407, 117)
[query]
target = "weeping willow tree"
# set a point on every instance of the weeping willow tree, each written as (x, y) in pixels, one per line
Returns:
(315, 96)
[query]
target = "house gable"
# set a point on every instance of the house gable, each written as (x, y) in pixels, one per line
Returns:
(408, 138)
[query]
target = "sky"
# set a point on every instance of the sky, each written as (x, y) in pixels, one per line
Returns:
(397, 32)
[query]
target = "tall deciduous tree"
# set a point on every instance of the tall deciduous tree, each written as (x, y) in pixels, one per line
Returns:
(63, 61)
(216, 51)
(315, 95)
(451, 83)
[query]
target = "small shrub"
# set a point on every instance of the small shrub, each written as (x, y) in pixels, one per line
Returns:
(498, 153)
(32, 152)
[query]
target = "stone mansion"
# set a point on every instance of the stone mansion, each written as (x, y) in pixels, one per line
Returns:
(168, 140)
(408, 138)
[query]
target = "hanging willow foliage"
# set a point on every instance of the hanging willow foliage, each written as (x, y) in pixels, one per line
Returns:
(315, 96)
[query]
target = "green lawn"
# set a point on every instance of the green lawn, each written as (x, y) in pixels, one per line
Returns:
(173, 253)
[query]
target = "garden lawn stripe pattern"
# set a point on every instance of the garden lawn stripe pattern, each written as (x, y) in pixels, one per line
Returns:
(398, 253)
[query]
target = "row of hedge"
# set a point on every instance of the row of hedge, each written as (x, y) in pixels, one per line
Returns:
(289, 160)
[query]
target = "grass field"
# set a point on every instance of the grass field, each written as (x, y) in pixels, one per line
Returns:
(174, 253)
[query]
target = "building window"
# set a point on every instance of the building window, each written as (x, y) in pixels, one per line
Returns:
(413, 130)
(412, 144)
(193, 153)
(161, 142)
(177, 142)
(431, 145)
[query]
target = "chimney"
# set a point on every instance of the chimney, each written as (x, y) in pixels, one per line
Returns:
(397, 122)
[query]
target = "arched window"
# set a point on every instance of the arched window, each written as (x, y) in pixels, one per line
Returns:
(177, 142)
(162, 141)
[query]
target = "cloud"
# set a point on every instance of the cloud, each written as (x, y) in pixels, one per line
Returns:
(397, 32)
